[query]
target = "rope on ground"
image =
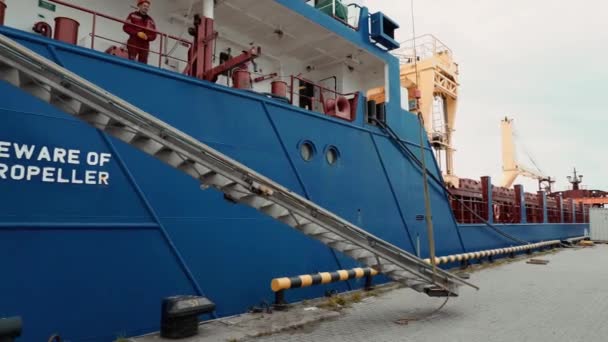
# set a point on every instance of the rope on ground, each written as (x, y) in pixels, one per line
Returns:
(405, 321)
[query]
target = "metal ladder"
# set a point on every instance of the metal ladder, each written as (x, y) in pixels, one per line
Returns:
(72, 94)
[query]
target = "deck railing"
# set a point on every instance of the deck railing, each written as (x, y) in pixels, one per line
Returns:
(534, 213)
(462, 207)
(321, 93)
(419, 48)
(508, 212)
(353, 12)
(554, 215)
(164, 39)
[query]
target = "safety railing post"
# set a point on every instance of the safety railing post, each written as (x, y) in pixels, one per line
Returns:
(542, 202)
(560, 206)
(93, 31)
(279, 300)
(486, 193)
(160, 50)
(291, 91)
(584, 216)
(573, 208)
(368, 283)
(520, 199)
(333, 8)
(463, 214)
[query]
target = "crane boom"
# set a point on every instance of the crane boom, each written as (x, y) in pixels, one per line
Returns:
(511, 168)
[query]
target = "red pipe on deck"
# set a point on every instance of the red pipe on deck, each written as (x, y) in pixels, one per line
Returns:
(66, 30)
(279, 88)
(241, 79)
(2, 11)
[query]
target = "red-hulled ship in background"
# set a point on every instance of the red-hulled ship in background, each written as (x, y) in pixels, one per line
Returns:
(566, 206)
(579, 194)
(513, 205)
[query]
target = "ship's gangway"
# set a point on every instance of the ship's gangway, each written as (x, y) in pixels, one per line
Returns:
(74, 95)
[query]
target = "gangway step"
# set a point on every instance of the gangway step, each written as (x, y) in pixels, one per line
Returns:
(72, 94)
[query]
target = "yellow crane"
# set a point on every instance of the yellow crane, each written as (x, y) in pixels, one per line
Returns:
(511, 166)
(430, 76)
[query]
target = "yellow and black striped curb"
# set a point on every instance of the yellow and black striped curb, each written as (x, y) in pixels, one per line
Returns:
(491, 252)
(279, 284)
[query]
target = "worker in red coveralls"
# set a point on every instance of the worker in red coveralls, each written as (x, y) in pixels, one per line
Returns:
(138, 44)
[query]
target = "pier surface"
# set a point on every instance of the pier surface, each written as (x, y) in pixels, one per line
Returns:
(564, 300)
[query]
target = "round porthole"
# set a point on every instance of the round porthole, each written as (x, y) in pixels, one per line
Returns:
(307, 150)
(332, 155)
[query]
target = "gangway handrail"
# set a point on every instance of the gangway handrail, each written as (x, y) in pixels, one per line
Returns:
(84, 100)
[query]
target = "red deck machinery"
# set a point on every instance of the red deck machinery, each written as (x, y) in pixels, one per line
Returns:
(200, 56)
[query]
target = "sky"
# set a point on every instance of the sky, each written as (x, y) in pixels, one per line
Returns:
(543, 63)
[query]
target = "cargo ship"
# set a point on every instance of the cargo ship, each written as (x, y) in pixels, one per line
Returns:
(268, 101)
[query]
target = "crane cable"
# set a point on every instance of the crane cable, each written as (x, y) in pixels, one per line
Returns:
(412, 157)
(414, 45)
(427, 196)
(427, 199)
(526, 151)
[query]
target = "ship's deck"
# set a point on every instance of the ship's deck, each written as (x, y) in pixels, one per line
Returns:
(565, 300)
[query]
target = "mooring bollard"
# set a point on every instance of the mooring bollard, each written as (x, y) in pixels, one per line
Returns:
(10, 328)
(179, 315)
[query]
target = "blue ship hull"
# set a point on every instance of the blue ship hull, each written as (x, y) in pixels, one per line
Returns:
(93, 261)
